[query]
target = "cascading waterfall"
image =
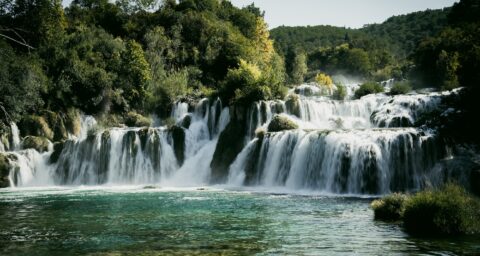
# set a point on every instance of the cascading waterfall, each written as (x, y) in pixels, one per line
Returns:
(362, 146)
(339, 161)
(121, 156)
(350, 146)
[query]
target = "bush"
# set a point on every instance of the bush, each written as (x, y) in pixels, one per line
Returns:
(390, 207)
(281, 123)
(136, 120)
(400, 88)
(340, 93)
(446, 211)
(368, 88)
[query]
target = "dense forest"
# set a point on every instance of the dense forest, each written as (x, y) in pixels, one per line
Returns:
(376, 51)
(102, 57)
(108, 59)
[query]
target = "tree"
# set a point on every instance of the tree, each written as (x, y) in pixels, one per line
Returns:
(324, 80)
(299, 68)
(22, 83)
(137, 74)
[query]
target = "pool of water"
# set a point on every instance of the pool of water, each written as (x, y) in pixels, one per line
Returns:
(146, 221)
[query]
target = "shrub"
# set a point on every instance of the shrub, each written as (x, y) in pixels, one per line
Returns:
(390, 207)
(400, 88)
(368, 88)
(340, 93)
(136, 120)
(281, 123)
(446, 211)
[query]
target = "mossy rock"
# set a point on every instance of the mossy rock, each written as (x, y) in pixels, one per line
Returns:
(133, 119)
(35, 126)
(5, 141)
(230, 144)
(40, 144)
(293, 105)
(57, 151)
(178, 136)
(5, 168)
(281, 123)
(56, 123)
(390, 207)
(73, 122)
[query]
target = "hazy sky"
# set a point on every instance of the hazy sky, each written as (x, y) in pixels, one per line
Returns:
(348, 13)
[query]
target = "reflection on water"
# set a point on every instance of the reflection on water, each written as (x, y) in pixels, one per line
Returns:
(152, 222)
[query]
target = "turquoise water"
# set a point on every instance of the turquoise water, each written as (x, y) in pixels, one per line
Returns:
(137, 221)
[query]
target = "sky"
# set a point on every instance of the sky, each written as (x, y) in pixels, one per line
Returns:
(343, 13)
(348, 13)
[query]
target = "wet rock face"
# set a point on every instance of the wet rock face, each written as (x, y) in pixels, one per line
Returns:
(230, 143)
(293, 106)
(5, 168)
(57, 150)
(281, 123)
(186, 121)
(4, 171)
(178, 136)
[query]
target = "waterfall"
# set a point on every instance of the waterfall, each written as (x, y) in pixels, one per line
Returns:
(357, 146)
(15, 136)
(344, 161)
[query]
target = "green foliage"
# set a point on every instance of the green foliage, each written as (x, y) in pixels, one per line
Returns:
(111, 58)
(299, 68)
(136, 74)
(340, 93)
(368, 88)
(390, 207)
(446, 211)
(22, 81)
(133, 119)
(402, 33)
(281, 123)
(374, 51)
(402, 87)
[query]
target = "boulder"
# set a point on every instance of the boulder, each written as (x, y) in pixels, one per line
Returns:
(281, 123)
(40, 144)
(293, 105)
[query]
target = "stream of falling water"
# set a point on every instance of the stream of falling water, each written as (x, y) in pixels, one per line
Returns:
(356, 146)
